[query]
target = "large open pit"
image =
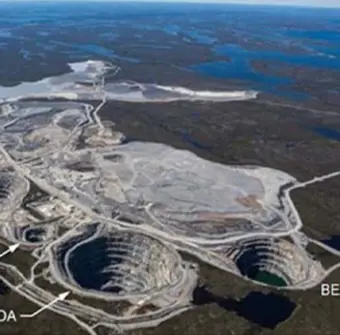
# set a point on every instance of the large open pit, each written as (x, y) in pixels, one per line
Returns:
(118, 264)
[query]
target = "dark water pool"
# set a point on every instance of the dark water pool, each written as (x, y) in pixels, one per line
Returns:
(248, 264)
(330, 133)
(265, 310)
(35, 235)
(333, 242)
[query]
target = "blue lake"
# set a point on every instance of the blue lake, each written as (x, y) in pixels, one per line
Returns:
(311, 60)
(326, 132)
(240, 68)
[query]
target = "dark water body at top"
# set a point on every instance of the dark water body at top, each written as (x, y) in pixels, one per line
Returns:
(244, 56)
(242, 71)
(265, 310)
(240, 67)
(323, 35)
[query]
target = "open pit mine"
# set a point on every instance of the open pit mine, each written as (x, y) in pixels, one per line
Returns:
(110, 220)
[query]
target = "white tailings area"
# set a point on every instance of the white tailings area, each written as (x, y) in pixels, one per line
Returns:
(75, 85)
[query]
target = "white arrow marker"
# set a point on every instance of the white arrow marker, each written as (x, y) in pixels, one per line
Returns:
(60, 297)
(10, 249)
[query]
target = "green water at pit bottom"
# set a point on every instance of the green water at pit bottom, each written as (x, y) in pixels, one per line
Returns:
(269, 278)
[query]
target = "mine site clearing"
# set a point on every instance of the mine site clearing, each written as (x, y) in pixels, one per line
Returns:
(77, 197)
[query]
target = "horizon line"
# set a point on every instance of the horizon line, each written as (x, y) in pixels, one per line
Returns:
(179, 2)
